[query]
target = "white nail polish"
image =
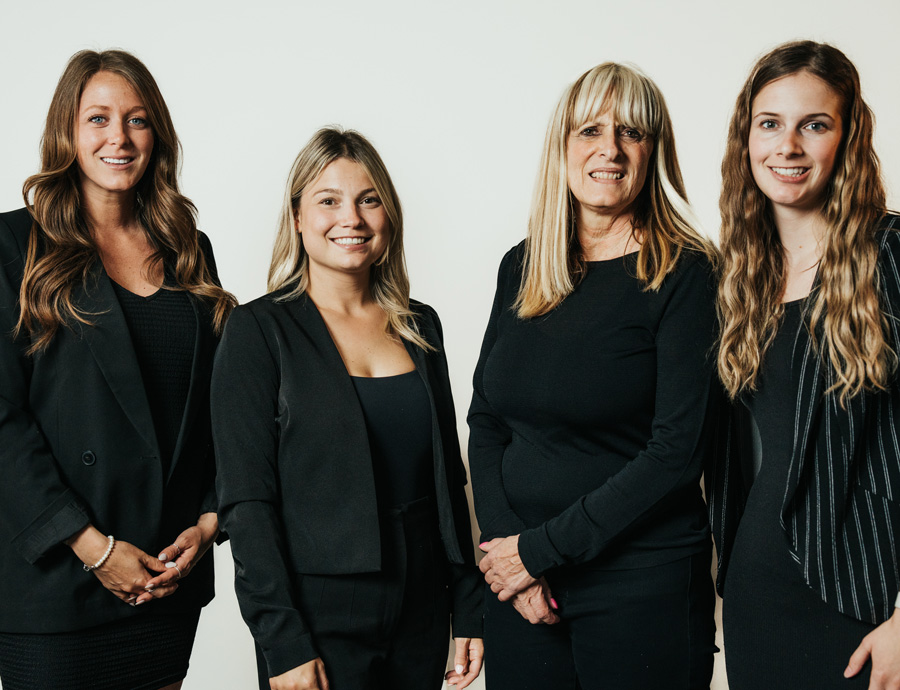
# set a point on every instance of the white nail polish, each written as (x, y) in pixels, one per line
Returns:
(162, 556)
(170, 564)
(460, 668)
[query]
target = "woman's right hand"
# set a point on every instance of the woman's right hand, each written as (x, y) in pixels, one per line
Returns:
(127, 570)
(535, 604)
(308, 676)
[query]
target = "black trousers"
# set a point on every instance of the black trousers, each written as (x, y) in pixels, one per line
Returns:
(641, 629)
(388, 630)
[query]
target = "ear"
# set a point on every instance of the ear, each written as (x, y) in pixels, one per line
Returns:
(297, 220)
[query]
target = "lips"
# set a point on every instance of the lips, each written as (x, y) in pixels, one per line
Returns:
(350, 241)
(795, 173)
(109, 160)
(607, 174)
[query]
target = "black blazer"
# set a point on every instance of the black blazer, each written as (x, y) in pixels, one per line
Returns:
(78, 446)
(841, 508)
(295, 480)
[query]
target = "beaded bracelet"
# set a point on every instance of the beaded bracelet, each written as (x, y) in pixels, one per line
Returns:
(109, 548)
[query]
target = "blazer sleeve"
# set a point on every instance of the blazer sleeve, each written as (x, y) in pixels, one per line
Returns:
(678, 442)
(210, 502)
(38, 510)
(466, 583)
(245, 389)
(489, 435)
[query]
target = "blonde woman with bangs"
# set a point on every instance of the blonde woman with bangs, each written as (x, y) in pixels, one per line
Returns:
(341, 483)
(803, 495)
(110, 311)
(587, 420)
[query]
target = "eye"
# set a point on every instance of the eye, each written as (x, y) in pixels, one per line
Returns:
(327, 201)
(630, 134)
(370, 201)
(768, 124)
(97, 119)
(817, 127)
(138, 122)
(590, 131)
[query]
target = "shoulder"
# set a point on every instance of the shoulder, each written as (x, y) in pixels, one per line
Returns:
(15, 227)
(888, 238)
(693, 268)
(513, 262)
(428, 321)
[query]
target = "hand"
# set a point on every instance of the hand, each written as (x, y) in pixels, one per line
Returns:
(503, 569)
(127, 570)
(536, 604)
(184, 552)
(466, 662)
(882, 646)
(308, 676)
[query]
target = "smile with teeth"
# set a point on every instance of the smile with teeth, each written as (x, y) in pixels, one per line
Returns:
(603, 175)
(117, 161)
(790, 172)
(347, 241)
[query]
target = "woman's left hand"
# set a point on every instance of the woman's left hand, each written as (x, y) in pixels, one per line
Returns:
(466, 662)
(882, 646)
(503, 569)
(184, 552)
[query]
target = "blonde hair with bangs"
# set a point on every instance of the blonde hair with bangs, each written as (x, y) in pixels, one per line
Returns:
(388, 280)
(662, 214)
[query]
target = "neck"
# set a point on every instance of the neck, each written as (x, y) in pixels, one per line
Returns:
(110, 213)
(340, 292)
(605, 237)
(801, 233)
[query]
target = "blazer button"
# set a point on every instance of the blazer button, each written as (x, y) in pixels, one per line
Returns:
(88, 457)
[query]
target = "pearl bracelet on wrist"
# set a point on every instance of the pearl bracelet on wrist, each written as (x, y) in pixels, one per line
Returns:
(103, 559)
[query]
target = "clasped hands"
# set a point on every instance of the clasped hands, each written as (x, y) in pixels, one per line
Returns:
(510, 581)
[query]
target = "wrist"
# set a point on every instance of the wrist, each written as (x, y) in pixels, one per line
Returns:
(88, 544)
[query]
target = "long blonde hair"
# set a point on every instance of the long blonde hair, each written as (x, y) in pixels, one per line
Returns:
(61, 252)
(845, 319)
(388, 280)
(662, 215)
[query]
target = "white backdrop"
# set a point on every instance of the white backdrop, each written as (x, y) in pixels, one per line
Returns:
(455, 97)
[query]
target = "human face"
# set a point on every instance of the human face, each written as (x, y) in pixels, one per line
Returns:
(795, 134)
(342, 221)
(606, 167)
(114, 139)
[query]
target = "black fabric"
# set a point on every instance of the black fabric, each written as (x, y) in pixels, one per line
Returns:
(386, 630)
(78, 446)
(840, 507)
(398, 419)
(640, 629)
(769, 606)
(587, 424)
(296, 483)
(147, 652)
(163, 331)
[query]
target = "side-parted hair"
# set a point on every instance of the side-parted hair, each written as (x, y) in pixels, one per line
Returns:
(388, 279)
(61, 251)
(662, 215)
(844, 316)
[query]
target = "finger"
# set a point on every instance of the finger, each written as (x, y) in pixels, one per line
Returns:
(323, 679)
(170, 553)
(474, 670)
(858, 659)
(486, 546)
(503, 594)
(157, 593)
(461, 658)
(166, 578)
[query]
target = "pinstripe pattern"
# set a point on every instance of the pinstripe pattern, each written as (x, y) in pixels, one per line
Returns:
(839, 511)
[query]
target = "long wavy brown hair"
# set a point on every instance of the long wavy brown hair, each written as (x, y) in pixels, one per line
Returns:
(844, 315)
(663, 218)
(61, 252)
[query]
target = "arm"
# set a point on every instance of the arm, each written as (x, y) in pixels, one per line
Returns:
(489, 435)
(671, 460)
(245, 389)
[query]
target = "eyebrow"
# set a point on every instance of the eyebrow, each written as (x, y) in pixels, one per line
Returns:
(767, 114)
(329, 190)
(106, 108)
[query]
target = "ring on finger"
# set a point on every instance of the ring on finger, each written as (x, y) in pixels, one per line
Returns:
(173, 564)
(177, 551)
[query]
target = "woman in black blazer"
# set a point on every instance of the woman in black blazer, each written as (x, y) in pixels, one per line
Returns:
(340, 477)
(109, 307)
(803, 496)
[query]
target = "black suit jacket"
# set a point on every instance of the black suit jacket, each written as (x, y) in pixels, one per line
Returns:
(295, 479)
(78, 446)
(841, 508)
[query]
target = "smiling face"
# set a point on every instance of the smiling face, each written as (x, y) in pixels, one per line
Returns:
(341, 220)
(606, 167)
(114, 140)
(795, 135)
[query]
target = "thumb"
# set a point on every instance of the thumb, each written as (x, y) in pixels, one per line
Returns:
(486, 546)
(858, 658)
(461, 658)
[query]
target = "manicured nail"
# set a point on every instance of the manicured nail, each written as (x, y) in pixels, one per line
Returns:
(553, 603)
(163, 556)
(482, 545)
(142, 601)
(460, 668)
(150, 588)
(170, 564)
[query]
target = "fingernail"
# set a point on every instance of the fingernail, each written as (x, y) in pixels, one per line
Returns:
(482, 545)
(460, 668)
(553, 603)
(170, 564)
(150, 588)
(142, 601)
(163, 556)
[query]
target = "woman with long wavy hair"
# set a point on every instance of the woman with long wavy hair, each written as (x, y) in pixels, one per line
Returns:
(341, 483)
(803, 496)
(587, 420)
(109, 312)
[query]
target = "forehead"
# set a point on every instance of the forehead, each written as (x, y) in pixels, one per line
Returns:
(342, 173)
(625, 106)
(801, 92)
(108, 89)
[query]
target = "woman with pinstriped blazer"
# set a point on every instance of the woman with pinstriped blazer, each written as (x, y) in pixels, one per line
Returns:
(805, 494)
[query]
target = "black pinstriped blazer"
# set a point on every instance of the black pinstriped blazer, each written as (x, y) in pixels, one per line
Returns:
(841, 507)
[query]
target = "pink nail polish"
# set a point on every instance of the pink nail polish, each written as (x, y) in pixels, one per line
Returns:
(482, 545)
(553, 603)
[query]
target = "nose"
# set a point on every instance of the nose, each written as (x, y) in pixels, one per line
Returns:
(117, 133)
(350, 216)
(789, 144)
(608, 143)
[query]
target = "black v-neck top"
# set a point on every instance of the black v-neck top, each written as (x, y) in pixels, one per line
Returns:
(163, 330)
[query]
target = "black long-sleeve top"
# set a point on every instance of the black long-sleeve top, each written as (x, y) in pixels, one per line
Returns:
(588, 424)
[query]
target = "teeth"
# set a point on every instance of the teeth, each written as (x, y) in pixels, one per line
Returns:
(117, 161)
(790, 172)
(607, 175)
(350, 240)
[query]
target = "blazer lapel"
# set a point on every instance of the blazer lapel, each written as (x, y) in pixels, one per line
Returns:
(110, 343)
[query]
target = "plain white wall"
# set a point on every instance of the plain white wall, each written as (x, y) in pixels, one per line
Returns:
(455, 96)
